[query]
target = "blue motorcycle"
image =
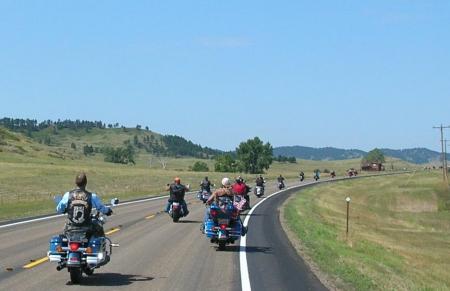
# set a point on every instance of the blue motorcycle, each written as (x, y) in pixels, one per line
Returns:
(79, 253)
(223, 225)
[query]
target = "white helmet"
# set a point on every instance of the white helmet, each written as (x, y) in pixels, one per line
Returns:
(226, 182)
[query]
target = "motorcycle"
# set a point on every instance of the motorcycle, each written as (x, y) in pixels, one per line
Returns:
(223, 226)
(316, 177)
(176, 211)
(302, 178)
(203, 195)
(79, 253)
(281, 185)
(259, 191)
(333, 175)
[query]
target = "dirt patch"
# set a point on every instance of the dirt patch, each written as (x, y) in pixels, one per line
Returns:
(329, 282)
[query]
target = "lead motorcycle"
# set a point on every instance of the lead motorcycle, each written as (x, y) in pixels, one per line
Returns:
(224, 225)
(79, 253)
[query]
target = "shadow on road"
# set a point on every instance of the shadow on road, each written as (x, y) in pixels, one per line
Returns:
(253, 214)
(248, 249)
(190, 221)
(113, 279)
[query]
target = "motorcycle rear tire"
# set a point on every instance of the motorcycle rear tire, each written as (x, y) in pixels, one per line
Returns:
(175, 218)
(222, 245)
(75, 275)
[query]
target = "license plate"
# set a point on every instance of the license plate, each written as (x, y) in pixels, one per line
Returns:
(223, 221)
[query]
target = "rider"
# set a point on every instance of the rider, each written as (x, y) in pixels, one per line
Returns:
(302, 175)
(225, 190)
(280, 179)
(317, 173)
(240, 188)
(260, 181)
(205, 185)
(78, 203)
(177, 192)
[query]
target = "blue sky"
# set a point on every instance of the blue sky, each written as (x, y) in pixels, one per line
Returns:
(349, 74)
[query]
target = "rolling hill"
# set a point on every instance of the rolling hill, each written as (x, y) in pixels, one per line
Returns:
(416, 155)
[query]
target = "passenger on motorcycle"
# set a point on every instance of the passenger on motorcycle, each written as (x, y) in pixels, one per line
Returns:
(225, 191)
(78, 204)
(240, 188)
(177, 192)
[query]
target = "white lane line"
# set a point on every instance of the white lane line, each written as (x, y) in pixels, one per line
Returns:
(245, 277)
(59, 215)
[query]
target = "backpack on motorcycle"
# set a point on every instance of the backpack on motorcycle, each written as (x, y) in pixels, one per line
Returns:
(79, 208)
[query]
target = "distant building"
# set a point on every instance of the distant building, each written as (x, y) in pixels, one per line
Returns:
(372, 167)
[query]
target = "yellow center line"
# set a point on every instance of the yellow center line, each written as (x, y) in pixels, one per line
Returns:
(35, 263)
(150, 216)
(112, 231)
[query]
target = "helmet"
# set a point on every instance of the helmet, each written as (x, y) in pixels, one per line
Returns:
(177, 180)
(226, 181)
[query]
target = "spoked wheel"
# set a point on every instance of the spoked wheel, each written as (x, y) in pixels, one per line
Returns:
(222, 245)
(75, 275)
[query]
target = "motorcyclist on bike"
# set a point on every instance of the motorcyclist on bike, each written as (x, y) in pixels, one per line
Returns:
(260, 181)
(177, 192)
(225, 191)
(317, 174)
(205, 185)
(302, 176)
(78, 204)
(280, 180)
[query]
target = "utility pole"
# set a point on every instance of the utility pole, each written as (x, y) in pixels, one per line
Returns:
(444, 163)
(445, 158)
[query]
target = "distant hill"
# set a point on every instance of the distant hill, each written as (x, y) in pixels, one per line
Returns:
(309, 153)
(74, 136)
(416, 155)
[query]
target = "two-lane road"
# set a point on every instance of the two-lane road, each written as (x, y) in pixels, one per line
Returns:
(156, 254)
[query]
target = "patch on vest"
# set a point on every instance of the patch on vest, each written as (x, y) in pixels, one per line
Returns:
(80, 208)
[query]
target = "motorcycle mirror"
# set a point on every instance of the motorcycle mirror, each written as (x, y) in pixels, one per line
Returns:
(114, 201)
(57, 198)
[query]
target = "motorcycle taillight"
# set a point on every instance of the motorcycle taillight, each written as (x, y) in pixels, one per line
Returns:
(74, 246)
(223, 226)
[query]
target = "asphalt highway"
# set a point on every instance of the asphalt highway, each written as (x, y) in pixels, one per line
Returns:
(157, 254)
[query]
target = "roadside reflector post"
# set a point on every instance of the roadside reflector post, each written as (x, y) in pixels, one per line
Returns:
(348, 211)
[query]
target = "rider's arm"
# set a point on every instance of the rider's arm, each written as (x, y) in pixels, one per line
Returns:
(97, 204)
(61, 207)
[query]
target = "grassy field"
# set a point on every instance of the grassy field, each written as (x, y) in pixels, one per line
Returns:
(32, 173)
(399, 231)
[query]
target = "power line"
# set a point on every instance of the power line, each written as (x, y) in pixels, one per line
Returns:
(443, 155)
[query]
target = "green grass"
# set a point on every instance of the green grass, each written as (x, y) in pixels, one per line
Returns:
(398, 236)
(32, 173)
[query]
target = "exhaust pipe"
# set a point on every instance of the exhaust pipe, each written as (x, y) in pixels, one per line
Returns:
(60, 267)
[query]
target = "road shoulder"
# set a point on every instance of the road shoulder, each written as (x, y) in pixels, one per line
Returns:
(325, 279)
